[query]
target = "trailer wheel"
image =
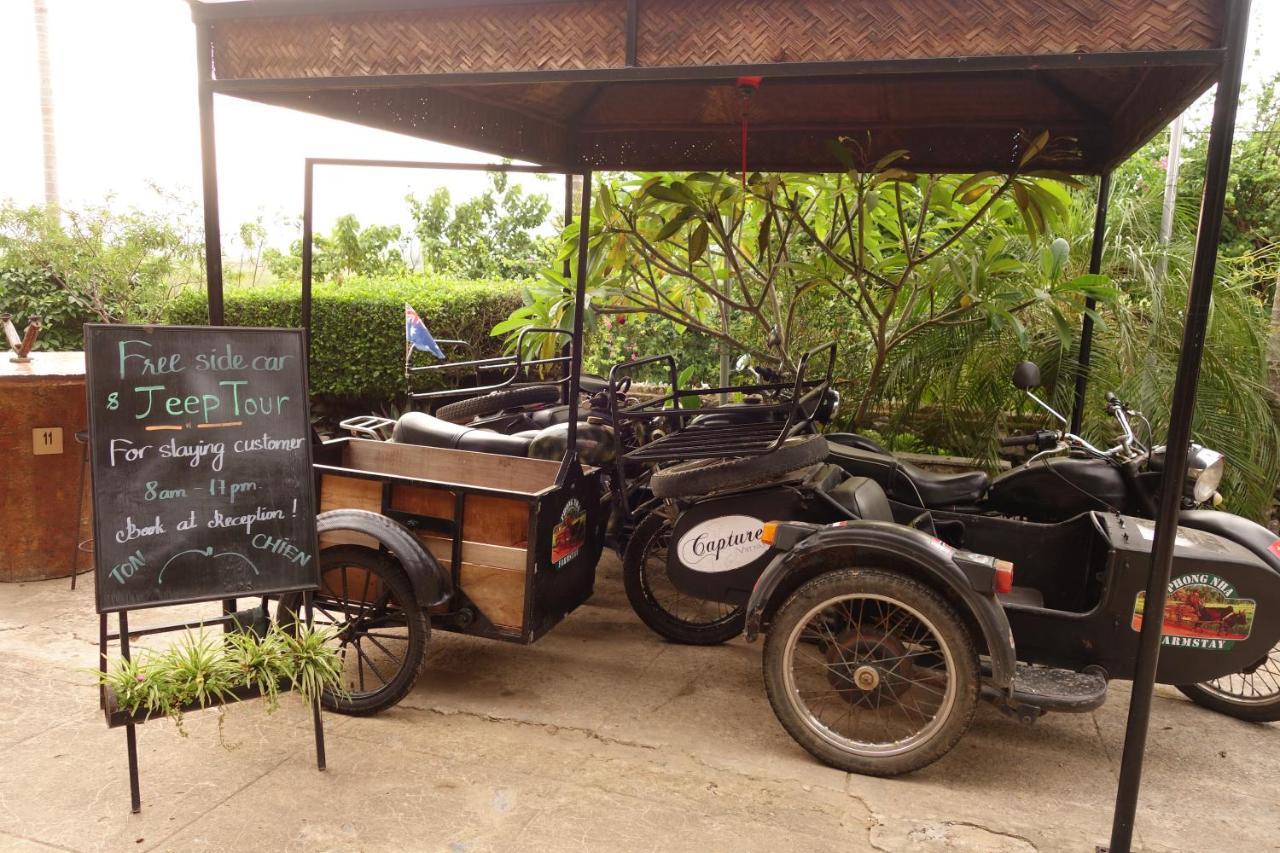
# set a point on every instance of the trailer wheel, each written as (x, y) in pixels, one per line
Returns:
(668, 612)
(380, 632)
(871, 672)
(704, 476)
(464, 411)
(1252, 695)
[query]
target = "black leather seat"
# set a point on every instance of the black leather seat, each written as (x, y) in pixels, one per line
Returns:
(592, 384)
(430, 431)
(864, 498)
(911, 484)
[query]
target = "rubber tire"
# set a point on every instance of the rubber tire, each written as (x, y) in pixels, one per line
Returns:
(660, 621)
(390, 573)
(952, 632)
(704, 476)
(1268, 713)
(465, 411)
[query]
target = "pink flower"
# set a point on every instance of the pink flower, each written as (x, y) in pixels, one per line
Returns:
(1164, 163)
(608, 323)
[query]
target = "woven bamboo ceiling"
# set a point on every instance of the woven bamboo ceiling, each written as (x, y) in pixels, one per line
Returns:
(649, 84)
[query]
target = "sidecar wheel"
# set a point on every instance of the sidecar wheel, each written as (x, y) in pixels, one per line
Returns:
(871, 672)
(668, 612)
(1253, 695)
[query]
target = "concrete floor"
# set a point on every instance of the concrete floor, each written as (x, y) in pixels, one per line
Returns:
(599, 737)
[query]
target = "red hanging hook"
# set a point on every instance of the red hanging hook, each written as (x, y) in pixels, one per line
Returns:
(747, 87)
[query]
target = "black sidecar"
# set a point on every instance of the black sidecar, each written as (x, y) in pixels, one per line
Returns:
(882, 637)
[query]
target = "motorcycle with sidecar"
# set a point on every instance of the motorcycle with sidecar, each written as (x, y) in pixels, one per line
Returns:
(887, 620)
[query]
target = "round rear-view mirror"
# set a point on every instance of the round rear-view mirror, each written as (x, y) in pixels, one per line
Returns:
(1026, 375)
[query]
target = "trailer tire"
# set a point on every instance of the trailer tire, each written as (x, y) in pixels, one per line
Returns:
(464, 411)
(358, 701)
(704, 476)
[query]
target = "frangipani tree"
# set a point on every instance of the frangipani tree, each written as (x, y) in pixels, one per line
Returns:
(757, 264)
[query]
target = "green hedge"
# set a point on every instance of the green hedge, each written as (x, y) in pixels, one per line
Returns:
(357, 347)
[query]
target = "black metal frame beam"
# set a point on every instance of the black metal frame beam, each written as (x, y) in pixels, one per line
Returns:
(653, 73)
(1090, 304)
(1199, 299)
(209, 175)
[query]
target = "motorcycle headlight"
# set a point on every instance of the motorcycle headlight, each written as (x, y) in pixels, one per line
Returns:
(1204, 472)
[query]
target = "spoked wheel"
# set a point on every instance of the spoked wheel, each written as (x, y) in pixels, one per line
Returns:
(871, 672)
(1252, 695)
(669, 612)
(380, 634)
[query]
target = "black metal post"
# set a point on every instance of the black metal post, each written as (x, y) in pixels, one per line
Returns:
(315, 708)
(1218, 164)
(579, 309)
(130, 730)
(308, 228)
(568, 214)
(209, 175)
(1090, 304)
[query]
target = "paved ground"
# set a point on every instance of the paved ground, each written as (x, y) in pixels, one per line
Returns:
(599, 737)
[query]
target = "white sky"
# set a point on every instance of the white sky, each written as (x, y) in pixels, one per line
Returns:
(125, 109)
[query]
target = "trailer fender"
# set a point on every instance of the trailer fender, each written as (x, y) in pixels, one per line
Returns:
(432, 585)
(964, 582)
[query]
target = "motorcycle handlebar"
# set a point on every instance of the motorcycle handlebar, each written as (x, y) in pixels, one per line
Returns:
(1019, 440)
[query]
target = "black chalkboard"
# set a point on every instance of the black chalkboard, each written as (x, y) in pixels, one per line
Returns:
(201, 459)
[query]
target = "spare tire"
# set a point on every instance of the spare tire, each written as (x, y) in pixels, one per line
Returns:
(704, 476)
(464, 411)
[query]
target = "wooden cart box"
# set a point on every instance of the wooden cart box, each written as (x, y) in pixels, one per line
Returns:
(521, 550)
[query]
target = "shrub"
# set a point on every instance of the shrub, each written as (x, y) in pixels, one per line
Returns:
(357, 347)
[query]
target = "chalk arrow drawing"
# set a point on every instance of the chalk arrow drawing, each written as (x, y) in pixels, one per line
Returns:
(204, 552)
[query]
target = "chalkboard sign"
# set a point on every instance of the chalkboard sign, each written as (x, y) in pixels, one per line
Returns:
(201, 458)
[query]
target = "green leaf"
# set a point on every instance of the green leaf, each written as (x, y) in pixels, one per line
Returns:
(974, 194)
(698, 242)
(669, 228)
(972, 181)
(841, 154)
(889, 158)
(671, 194)
(1035, 148)
(1004, 265)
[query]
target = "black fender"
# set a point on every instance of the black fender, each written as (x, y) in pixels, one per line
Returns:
(432, 585)
(898, 547)
(1248, 534)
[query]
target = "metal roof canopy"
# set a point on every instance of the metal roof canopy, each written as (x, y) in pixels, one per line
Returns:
(577, 85)
(650, 84)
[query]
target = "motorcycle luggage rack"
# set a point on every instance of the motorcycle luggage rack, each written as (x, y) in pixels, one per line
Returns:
(717, 441)
(516, 363)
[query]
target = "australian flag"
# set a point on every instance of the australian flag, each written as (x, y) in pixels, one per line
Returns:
(416, 334)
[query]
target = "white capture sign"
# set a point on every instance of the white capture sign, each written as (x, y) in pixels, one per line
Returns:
(722, 544)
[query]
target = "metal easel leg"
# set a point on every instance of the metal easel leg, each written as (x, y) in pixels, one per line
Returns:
(315, 708)
(130, 730)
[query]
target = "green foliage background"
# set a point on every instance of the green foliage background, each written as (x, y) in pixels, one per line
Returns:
(357, 348)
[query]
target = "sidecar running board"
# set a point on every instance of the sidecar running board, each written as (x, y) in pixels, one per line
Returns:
(1048, 689)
